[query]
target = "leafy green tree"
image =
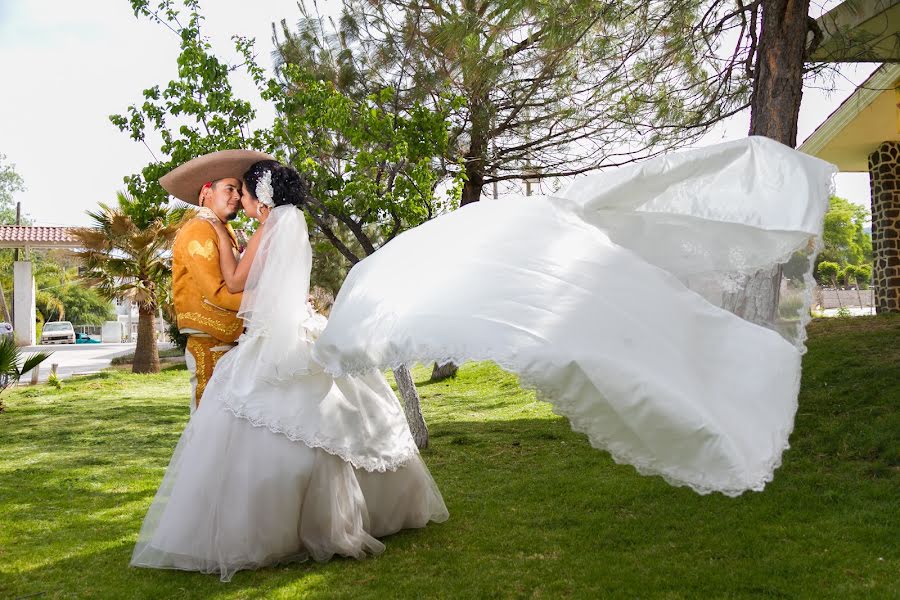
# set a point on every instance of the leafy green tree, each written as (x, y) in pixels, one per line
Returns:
(828, 271)
(195, 114)
(10, 183)
(552, 88)
(50, 275)
(127, 256)
(373, 171)
(846, 241)
(49, 307)
(84, 306)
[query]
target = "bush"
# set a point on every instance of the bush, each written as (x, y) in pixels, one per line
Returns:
(54, 381)
(863, 276)
(178, 338)
(828, 272)
(848, 275)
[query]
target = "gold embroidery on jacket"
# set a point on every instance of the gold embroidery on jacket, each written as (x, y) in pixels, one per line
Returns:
(212, 323)
(204, 250)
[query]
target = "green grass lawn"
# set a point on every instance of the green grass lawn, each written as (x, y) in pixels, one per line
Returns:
(535, 512)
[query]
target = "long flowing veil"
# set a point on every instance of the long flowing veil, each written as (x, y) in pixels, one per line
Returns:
(275, 304)
(271, 379)
(612, 300)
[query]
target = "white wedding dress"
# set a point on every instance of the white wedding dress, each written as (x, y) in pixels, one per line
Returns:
(282, 461)
(617, 302)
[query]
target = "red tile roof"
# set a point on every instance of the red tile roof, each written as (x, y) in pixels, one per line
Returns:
(12, 236)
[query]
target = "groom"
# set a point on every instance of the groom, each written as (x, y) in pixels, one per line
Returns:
(206, 311)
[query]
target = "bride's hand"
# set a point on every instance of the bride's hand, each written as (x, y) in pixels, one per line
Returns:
(262, 212)
(221, 231)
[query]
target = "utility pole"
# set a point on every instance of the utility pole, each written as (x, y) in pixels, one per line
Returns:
(10, 318)
(18, 222)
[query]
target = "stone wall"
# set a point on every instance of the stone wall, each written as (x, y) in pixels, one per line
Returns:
(884, 180)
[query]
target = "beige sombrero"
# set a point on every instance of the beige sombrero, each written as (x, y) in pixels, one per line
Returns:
(185, 182)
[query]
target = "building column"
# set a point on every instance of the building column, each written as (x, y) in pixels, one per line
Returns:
(23, 303)
(884, 181)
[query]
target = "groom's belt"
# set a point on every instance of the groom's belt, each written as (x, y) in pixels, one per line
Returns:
(220, 347)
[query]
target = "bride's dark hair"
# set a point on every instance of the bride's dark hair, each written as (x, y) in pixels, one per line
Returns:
(288, 186)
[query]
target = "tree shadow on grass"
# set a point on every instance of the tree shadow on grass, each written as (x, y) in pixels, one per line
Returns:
(533, 509)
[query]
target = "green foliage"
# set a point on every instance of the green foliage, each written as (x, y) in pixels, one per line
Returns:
(10, 183)
(859, 275)
(195, 114)
(846, 242)
(49, 306)
(551, 88)
(797, 267)
(54, 381)
(84, 306)
(179, 339)
(828, 271)
(848, 248)
(125, 256)
(52, 272)
(863, 275)
(329, 266)
(373, 170)
(13, 364)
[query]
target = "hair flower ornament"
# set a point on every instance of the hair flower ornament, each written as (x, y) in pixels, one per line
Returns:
(264, 191)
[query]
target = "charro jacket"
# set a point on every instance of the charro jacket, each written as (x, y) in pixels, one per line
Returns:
(202, 300)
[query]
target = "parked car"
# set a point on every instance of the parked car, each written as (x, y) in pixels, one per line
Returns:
(83, 338)
(58, 332)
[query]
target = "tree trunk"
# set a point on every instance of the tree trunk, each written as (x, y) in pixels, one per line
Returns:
(474, 184)
(774, 111)
(778, 72)
(412, 406)
(146, 353)
(444, 371)
(476, 156)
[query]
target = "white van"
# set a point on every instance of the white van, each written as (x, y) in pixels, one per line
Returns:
(58, 332)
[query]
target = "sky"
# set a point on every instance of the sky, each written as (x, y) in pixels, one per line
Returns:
(67, 66)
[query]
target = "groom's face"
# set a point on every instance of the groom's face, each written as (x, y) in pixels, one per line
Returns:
(223, 197)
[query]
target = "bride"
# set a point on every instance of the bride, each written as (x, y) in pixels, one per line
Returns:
(282, 461)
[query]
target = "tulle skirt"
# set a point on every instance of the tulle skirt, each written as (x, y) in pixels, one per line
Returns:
(237, 496)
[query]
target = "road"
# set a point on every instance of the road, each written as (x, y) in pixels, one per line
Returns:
(78, 359)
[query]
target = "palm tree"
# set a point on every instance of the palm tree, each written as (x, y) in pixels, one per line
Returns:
(12, 367)
(127, 256)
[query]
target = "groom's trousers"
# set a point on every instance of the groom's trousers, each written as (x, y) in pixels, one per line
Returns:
(201, 355)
